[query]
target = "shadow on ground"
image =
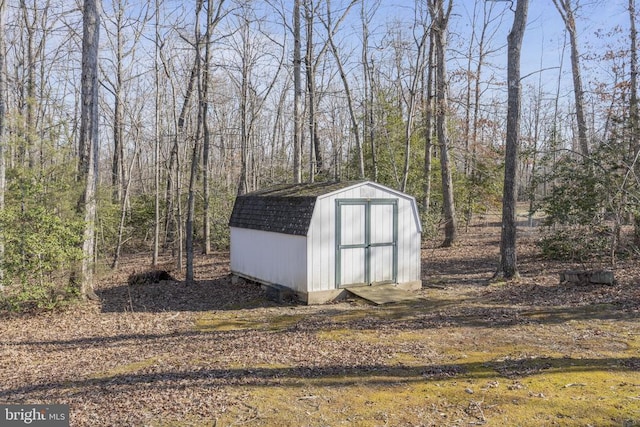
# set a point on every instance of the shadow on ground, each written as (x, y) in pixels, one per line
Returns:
(331, 375)
(170, 295)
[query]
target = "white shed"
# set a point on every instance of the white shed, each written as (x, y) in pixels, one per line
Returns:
(318, 239)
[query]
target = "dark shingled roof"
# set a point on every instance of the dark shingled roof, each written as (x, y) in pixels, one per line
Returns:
(285, 209)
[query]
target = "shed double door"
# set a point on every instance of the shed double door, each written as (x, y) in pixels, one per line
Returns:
(366, 241)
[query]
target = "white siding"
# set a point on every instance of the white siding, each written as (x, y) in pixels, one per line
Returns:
(269, 257)
(321, 243)
(408, 242)
(321, 247)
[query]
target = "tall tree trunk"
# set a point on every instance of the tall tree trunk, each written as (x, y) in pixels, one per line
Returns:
(508, 257)
(466, 133)
(566, 10)
(156, 145)
(206, 142)
(89, 140)
(173, 224)
(369, 130)
(314, 141)
(245, 135)
(30, 26)
(345, 83)
(297, 96)
(440, 18)
(117, 167)
(195, 157)
(634, 111)
(428, 124)
(419, 65)
(123, 210)
(3, 80)
(473, 114)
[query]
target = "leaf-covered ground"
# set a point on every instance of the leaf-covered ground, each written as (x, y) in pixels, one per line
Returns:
(531, 353)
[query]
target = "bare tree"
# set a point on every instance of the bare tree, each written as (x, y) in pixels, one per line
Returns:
(32, 51)
(310, 72)
(213, 16)
(3, 102)
(421, 36)
(117, 166)
(248, 73)
(245, 60)
(157, 136)
(440, 18)
(195, 159)
(567, 9)
(331, 31)
(123, 34)
(508, 267)
(173, 221)
(634, 112)
(206, 136)
(123, 207)
(88, 141)
(369, 130)
(477, 55)
(427, 108)
(297, 95)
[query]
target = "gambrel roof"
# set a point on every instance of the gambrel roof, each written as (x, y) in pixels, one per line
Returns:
(285, 209)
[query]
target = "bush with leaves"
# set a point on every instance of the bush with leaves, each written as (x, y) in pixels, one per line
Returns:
(41, 253)
(41, 234)
(481, 191)
(588, 202)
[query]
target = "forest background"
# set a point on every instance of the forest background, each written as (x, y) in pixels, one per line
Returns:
(201, 101)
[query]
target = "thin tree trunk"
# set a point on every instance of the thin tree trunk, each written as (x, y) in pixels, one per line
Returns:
(567, 13)
(26, 149)
(3, 67)
(243, 186)
(156, 146)
(195, 157)
(173, 192)
(508, 255)
(123, 211)
(470, 168)
(428, 125)
(89, 140)
(411, 105)
(634, 113)
(369, 122)
(314, 149)
(117, 167)
(205, 132)
(467, 98)
(534, 161)
(345, 82)
(297, 95)
(440, 19)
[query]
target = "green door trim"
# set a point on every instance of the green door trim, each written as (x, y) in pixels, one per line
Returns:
(367, 245)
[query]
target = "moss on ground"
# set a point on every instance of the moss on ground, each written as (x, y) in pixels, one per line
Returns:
(244, 321)
(561, 373)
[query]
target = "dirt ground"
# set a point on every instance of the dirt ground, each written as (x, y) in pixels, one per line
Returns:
(470, 352)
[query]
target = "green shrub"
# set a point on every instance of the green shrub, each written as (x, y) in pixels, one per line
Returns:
(41, 251)
(578, 243)
(42, 235)
(588, 202)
